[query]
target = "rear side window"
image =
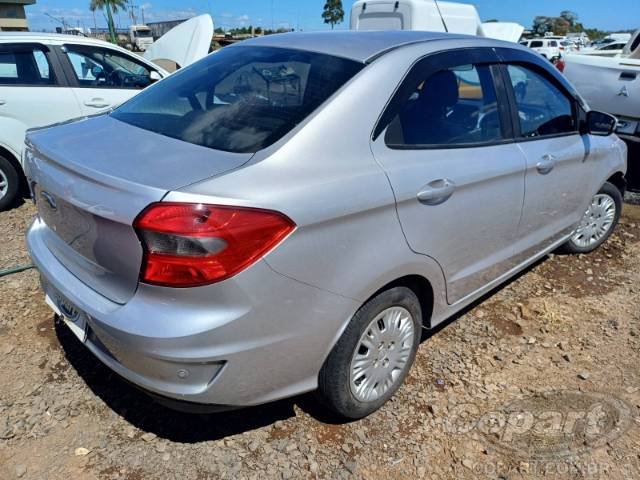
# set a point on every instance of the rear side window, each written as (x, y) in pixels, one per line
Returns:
(455, 106)
(543, 109)
(25, 65)
(240, 99)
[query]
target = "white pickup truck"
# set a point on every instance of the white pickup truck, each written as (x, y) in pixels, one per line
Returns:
(612, 85)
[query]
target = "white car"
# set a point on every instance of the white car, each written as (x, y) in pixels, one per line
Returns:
(549, 48)
(51, 78)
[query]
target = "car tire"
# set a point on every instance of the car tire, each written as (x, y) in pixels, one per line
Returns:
(373, 355)
(9, 183)
(599, 221)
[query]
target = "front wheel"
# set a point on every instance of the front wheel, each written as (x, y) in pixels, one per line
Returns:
(598, 222)
(373, 356)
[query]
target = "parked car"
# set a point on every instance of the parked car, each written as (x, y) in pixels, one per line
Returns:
(549, 48)
(51, 78)
(290, 213)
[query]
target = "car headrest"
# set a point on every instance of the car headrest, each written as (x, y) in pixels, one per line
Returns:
(440, 90)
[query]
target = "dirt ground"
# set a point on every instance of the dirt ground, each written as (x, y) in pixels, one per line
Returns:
(541, 379)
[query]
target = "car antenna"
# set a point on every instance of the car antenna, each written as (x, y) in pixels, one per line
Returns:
(444, 24)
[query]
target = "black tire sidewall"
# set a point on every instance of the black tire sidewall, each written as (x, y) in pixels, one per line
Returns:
(334, 388)
(616, 195)
(13, 183)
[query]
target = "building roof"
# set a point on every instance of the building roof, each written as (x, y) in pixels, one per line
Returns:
(355, 45)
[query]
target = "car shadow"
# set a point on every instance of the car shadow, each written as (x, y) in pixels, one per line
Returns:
(145, 413)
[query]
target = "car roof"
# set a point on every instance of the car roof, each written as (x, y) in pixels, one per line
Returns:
(361, 46)
(44, 36)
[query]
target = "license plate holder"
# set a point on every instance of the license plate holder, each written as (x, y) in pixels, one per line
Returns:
(70, 314)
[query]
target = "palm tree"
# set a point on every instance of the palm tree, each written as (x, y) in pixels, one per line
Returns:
(333, 12)
(109, 5)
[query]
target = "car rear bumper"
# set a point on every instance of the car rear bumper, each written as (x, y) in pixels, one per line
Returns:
(257, 337)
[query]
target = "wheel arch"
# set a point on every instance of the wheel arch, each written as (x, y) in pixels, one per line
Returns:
(619, 181)
(418, 285)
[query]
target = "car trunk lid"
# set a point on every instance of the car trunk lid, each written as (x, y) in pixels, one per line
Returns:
(93, 177)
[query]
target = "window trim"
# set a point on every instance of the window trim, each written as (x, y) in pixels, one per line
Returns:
(515, 118)
(426, 66)
(70, 72)
(53, 64)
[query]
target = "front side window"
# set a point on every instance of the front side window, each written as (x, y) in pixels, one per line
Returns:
(455, 106)
(536, 44)
(240, 99)
(543, 109)
(25, 65)
(105, 68)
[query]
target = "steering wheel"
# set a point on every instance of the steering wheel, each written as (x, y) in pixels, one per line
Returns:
(116, 78)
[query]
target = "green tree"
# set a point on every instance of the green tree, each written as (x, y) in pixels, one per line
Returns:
(333, 12)
(569, 16)
(110, 6)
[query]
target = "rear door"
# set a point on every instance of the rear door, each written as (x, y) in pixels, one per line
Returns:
(446, 145)
(33, 92)
(103, 78)
(546, 126)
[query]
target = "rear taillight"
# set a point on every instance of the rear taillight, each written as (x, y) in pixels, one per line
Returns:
(190, 244)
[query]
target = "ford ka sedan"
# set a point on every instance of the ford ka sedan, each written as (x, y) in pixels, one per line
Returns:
(290, 213)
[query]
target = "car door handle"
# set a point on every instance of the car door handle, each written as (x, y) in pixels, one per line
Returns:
(2, 102)
(546, 164)
(436, 192)
(97, 103)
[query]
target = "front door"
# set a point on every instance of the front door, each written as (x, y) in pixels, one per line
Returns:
(547, 128)
(457, 175)
(104, 77)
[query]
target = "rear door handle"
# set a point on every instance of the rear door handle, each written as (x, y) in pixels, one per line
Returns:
(546, 164)
(97, 103)
(2, 102)
(436, 192)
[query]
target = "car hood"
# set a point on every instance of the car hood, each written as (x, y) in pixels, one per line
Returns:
(184, 44)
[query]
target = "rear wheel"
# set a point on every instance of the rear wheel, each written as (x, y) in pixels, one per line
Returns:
(598, 222)
(373, 356)
(9, 183)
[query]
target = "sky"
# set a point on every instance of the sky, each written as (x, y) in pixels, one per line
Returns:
(305, 14)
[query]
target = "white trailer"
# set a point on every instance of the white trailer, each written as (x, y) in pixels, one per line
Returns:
(428, 15)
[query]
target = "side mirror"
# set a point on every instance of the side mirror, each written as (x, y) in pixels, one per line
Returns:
(154, 76)
(600, 123)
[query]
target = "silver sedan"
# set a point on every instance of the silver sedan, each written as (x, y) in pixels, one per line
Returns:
(290, 213)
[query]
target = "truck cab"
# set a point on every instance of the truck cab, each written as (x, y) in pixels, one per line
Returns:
(141, 37)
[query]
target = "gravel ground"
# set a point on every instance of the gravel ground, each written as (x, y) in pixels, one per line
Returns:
(562, 339)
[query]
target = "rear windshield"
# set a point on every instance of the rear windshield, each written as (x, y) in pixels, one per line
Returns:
(240, 99)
